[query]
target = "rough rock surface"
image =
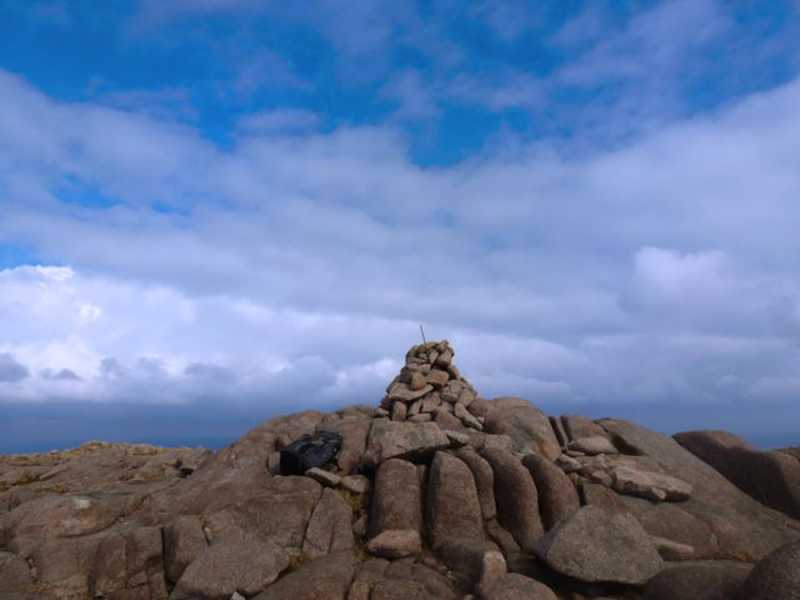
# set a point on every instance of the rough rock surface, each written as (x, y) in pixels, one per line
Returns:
(701, 580)
(776, 577)
(439, 505)
(594, 545)
(772, 478)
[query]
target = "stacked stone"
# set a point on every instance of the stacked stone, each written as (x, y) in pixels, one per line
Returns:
(430, 388)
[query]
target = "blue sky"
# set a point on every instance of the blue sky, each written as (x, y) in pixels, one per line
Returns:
(236, 207)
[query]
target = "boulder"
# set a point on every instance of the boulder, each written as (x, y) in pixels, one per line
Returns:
(653, 486)
(248, 566)
(484, 480)
(744, 528)
(184, 541)
(280, 513)
(597, 546)
(481, 563)
(130, 563)
(528, 427)
(452, 505)
(15, 575)
(513, 586)
(772, 478)
(397, 498)
(577, 427)
(700, 580)
(516, 497)
(390, 439)
(776, 577)
(596, 444)
(396, 543)
(326, 577)
(558, 498)
(330, 528)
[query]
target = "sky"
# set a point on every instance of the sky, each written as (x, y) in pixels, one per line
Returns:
(215, 211)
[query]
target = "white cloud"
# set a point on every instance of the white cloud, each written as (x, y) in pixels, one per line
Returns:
(306, 262)
(278, 121)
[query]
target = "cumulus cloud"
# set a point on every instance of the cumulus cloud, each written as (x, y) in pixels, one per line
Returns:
(294, 270)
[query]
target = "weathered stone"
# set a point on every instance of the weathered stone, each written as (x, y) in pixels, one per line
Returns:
(445, 358)
(416, 381)
(389, 439)
(130, 563)
(466, 417)
(399, 411)
(437, 378)
(776, 577)
(324, 477)
(484, 480)
(480, 562)
(772, 478)
(558, 498)
(600, 496)
(580, 427)
(395, 543)
(357, 484)
(414, 408)
(513, 586)
(457, 438)
(446, 420)
(670, 521)
(744, 528)
(396, 500)
(403, 393)
(593, 445)
(15, 575)
(248, 566)
(184, 541)
(430, 403)
(502, 537)
(516, 497)
(654, 486)
(466, 397)
(594, 545)
(326, 577)
(480, 407)
(354, 432)
(670, 550)
(452, 505)
(699, 580)
(421, 418)
(528, 427)
(330, 528)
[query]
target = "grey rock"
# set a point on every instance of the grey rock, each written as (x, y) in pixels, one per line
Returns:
(396, 500)
(452, 504)
(389, 439)
(699, 580)
(330, 528)
(184, 541)
(248, 566)
(516, 497)
(513, 586)
(484, 480)
(528, 427)
(593, 445)
(558, 498)
(396, 543)
(776, 577)
(324, 477)
(326, 577)
(597, 546)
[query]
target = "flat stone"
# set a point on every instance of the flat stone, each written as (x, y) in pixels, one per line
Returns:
(437, 378)
(324, 477)
(670, 550)
(390, 439)
(467, 418)
(403, 393)
(593, 445)
(416, 381)
(597, 546)
(421, 418)
(654, 486)
(326, 577)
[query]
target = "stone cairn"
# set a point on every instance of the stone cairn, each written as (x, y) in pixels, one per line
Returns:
(431, 388)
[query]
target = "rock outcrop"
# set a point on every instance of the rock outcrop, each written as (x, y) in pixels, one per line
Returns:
(437, 494)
